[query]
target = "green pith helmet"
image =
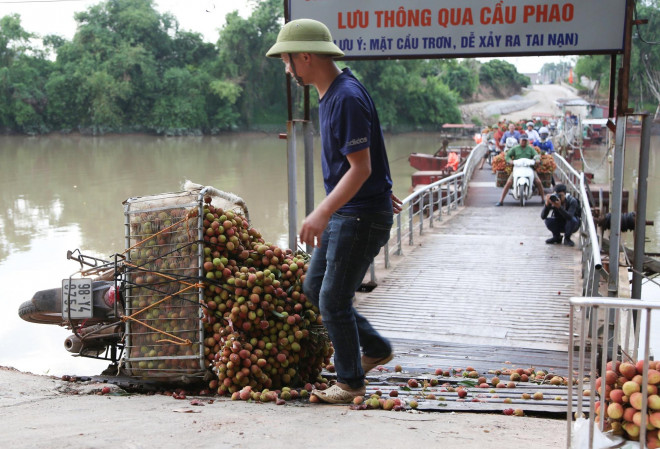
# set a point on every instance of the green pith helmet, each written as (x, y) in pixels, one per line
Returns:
(304, 36)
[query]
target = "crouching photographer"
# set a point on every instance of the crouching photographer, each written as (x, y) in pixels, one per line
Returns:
(565, 218)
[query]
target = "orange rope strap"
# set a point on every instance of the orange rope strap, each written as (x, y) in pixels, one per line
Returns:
(161, 274)
(181, 341)
(131, 317)
(160, 232)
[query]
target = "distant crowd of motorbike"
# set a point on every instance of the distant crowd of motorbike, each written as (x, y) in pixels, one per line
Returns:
(503, 136)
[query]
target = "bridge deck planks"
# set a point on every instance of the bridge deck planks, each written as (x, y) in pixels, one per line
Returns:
(481, 288)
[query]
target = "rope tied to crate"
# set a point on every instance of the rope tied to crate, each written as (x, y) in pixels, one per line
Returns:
(174, 339)
(156, 234)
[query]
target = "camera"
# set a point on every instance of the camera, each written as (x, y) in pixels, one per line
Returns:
(554, 198)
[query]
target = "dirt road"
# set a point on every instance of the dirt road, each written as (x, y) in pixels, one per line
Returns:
(46, 412)
(539, 98)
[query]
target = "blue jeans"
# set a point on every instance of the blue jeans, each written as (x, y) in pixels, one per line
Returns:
(557, 225)
(348, 246)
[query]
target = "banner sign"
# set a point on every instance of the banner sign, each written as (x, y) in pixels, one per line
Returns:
(444, 28)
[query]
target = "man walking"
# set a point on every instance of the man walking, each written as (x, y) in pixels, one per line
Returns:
(349, 227)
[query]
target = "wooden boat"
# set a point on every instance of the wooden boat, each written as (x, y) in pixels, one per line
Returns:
(434, 168)
(426, 162)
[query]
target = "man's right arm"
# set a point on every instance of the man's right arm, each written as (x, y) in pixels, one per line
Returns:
(546, 210)
(510, 155)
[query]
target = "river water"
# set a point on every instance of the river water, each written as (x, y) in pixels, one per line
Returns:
(60, 193)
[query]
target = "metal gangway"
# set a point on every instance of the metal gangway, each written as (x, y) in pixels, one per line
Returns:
(463, 282)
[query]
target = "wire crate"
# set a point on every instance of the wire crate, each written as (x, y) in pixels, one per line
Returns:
(163, 289)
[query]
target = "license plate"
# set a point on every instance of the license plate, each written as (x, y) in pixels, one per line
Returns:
(77, 298)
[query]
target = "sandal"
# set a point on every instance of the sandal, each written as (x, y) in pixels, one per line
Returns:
(368, 366)
(337, 395)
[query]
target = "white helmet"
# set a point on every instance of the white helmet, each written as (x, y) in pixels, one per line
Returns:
(544, 130)
(511, 142)
(530, 124)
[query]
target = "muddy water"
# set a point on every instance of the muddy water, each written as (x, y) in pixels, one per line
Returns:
(65, 192)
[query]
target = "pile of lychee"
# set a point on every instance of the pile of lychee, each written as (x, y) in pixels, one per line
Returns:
(260, 329)
(624, 400)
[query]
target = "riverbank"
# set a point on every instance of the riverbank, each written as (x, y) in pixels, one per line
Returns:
(46, 412)
(538, 98)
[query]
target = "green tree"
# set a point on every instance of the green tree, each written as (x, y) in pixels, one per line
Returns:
(226, 115)
(433, 103)
(242, 47)
(461, 77)
(408, 93)
(14, 39)
(102, 93)
(180, 107)
(644, 86)
(149, 65)
(23, 74)
(502, 77)
(645, 60)
(596, 68)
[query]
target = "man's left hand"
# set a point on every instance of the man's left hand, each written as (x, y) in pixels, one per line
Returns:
(313, 227)
(396, 204)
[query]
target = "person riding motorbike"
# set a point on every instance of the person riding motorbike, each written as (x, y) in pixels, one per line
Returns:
(512, 132)
(492, 151)
(510, 143)
(538, 122)
(532, 135)
(500, 128)
(543, 142)
(518, 152)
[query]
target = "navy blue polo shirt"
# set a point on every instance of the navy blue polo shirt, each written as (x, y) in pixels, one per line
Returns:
(349, 123)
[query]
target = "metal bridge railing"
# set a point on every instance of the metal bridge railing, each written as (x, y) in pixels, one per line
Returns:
(424, 207)
(592, 267)
(618, 342)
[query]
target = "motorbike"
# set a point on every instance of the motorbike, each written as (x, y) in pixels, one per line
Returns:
(95, 302)
(510, 143)
(90, 307)
(523, 180)
(492, 151)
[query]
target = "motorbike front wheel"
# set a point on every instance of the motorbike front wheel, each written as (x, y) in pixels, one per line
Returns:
(31, 312)
(45, 307)
(523, 195)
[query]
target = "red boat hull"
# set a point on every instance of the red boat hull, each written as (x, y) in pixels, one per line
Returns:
(426, 177)
(427, 162)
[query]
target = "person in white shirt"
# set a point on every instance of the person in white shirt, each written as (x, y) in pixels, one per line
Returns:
(531, 132)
